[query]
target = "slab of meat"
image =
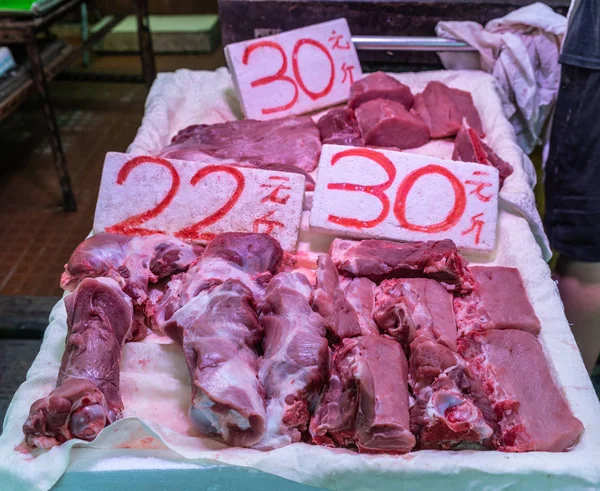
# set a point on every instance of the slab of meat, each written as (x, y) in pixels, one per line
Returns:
(381, 259)
(339, 127)
(366, 402)
(329, 300)
(379, 85)
(219, 332)
(498, 301)
(408, 308)
(532, 413)
(468, 147)
(291, 141)
(87, 396)
(249, 258)
(385, 123)
(294, 367)
(443, 110)
(360, 293)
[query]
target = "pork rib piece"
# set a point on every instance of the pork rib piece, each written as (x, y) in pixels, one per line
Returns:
(87, 397)
(385, 123)
(339, 127)
(249, 258)
(381, 259)
(366, 402)
(532, 413)
(498, 301)
(443, 110)
(379, 85)
(293, 369)
(292, 141)
(468, 147)
(219, 332)
(407, 308)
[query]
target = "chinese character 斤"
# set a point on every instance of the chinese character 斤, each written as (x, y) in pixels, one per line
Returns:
(264, 225)
(347, 69)
(476, 226)
(336, 41)
(274, 195)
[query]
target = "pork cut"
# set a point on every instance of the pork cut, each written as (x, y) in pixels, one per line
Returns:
(291, 141)
(498, 301)
(443, 109)
(532, 413)
(366, 402)
(219, 332)
(339, 127)
(360, 293)
(468, 147)
(379, 85)
(293, 369)
(381, 259)
(87, 396)
(385, 123)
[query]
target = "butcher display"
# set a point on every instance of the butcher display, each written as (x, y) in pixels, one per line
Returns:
(379, 85)
(339, 127)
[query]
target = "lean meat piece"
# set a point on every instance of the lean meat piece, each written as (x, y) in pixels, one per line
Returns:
(249, 258)
(289, 141)
(388, 124)
(443, 110)
(379, 85)
(381, 259)
(498, 301)
(87, 396)
(415, 307)
(219, 332)
(468, 147)
(366, 402)
(294, 367)
(339, 127)
(532, 413)
(360, 293)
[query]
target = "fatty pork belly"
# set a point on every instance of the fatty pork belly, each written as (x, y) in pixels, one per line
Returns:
(532, 413)
(498, 301)
(293, 369)
(219, 332)
(87, 396)
(366, 402)
(381, 259)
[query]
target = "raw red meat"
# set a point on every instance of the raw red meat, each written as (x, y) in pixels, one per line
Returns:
(360, 293)
(531, 411)
(219, 332)
(381, 259)
(385, 123)
(468, 147)
(87, 396)
(443, 110)
(366, 403)
(499, 301)
(339, 127)
(415, 307)
(294, 367)
(292, 141)
(379, 85)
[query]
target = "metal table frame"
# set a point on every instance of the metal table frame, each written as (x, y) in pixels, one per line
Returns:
(24, 29)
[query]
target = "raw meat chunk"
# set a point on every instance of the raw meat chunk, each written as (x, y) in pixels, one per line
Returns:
(532, 413)
(468, 147)
(443, 110)
(219, 331)
(498, 301)
(290, 141)
(293, 369)
(379, 85)
(360, 293)
(407, 308)
(386, 123)
(380, 259)
(87, 396)
(339, 127)
(366, 402)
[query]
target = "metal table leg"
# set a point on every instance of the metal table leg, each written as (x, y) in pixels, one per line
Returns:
(60, 161)
(145, 41)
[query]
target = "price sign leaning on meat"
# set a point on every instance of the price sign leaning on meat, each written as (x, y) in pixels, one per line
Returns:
(146, 195)
(294, 72)
(364, 192)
